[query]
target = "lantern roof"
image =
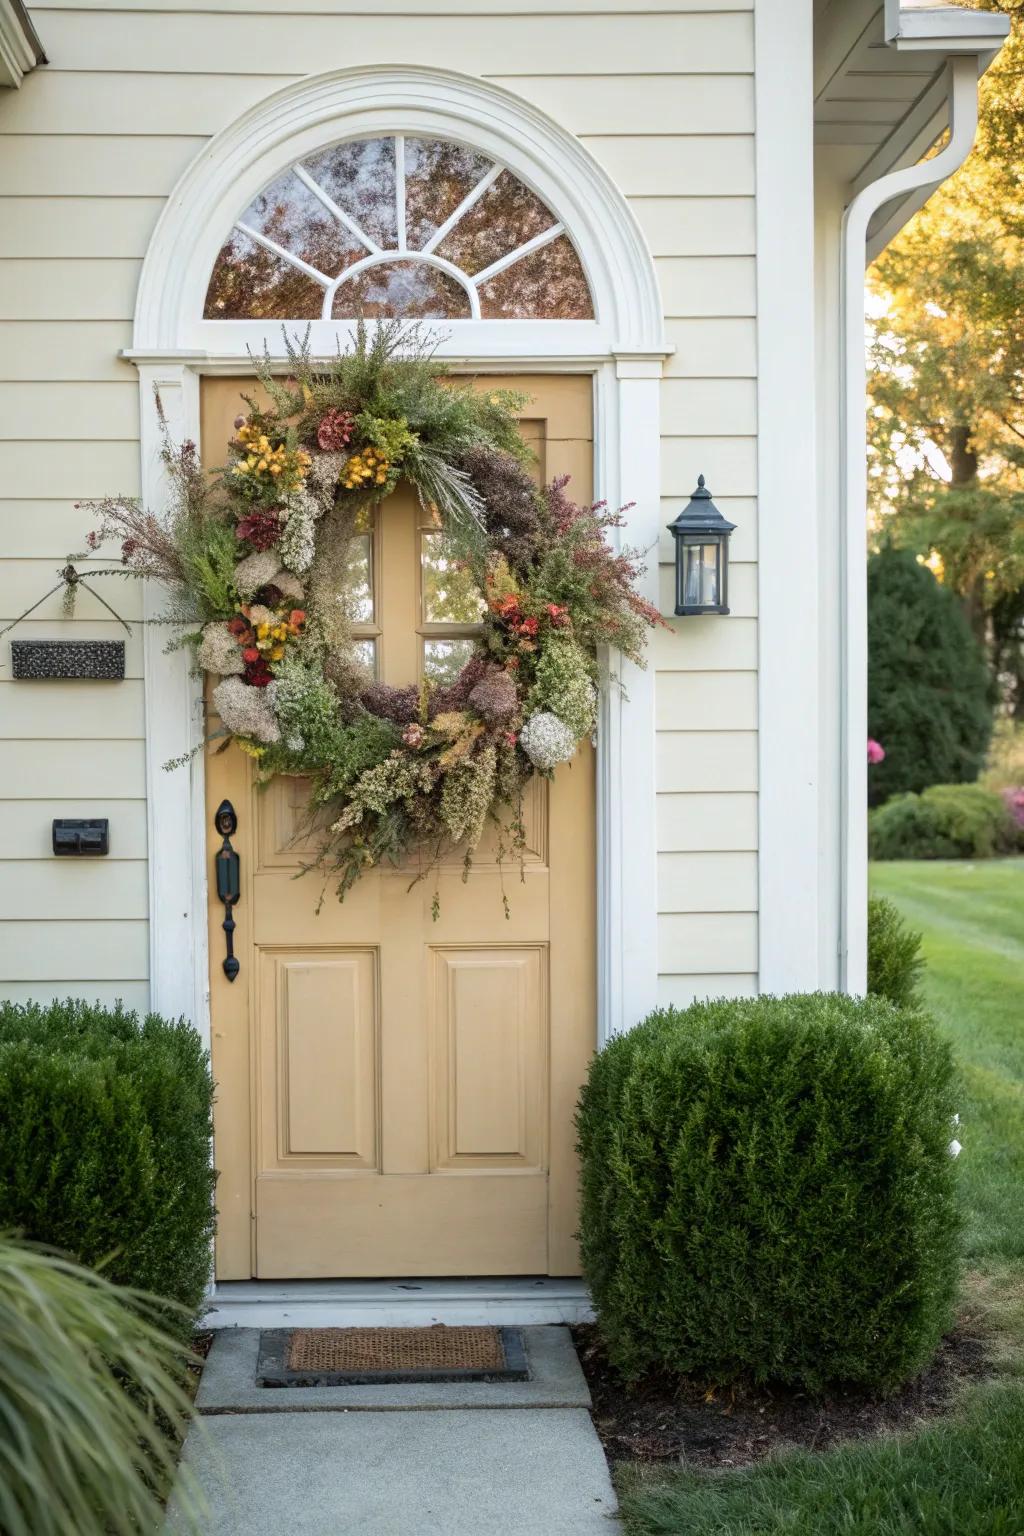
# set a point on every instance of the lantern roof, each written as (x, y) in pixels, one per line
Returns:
(700, 515)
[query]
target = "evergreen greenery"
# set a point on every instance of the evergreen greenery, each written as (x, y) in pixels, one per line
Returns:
(767, 1190)
(894, 955)
(105, 1152)
(947, 821)
(930, 695)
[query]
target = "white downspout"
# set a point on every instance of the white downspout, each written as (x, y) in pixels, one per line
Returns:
(963, 125)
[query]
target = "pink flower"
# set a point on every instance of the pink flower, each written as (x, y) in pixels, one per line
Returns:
(876, 752)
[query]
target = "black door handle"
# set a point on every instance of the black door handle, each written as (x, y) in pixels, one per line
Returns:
(229, 883)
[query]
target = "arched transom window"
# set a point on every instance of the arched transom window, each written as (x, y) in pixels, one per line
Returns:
(398, 227)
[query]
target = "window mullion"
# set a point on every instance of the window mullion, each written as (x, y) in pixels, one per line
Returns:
(469, 201)
(400, 191)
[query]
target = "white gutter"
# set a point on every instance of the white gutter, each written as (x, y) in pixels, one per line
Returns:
(963, 125)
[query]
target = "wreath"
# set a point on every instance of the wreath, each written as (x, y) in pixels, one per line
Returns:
(257, 559)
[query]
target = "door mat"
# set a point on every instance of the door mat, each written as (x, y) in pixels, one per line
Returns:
(346, 1357)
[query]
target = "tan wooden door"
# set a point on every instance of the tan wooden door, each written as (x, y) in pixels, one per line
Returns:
(395, 1093)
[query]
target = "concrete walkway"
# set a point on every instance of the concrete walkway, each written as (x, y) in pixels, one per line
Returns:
(473, 1459)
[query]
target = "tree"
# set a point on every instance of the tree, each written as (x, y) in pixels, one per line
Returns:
(930, 696)
(946, 423)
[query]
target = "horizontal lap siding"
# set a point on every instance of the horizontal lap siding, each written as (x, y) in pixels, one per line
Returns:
(90, 148)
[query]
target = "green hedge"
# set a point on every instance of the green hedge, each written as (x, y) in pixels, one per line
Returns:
(895, 961)
(930, 690)
(947, 821)
(767, 1190)
(105, 1151)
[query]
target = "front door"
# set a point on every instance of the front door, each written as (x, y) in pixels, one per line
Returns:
(396, 1081)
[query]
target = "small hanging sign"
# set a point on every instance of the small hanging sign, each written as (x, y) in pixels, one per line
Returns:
(93, 659)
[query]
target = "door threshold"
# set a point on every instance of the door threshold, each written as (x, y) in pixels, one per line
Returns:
(396, 1303)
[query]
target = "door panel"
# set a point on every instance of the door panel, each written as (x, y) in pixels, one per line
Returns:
(396, 1087)
(490, 1058)
(318, 1055)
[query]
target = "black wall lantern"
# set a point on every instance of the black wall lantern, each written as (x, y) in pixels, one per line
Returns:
(702, 555)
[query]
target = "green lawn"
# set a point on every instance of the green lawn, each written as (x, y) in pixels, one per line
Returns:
(965, 1476)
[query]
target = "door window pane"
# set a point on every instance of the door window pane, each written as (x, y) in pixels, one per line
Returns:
(443, 660)
(450, 595)
(366, 654)
(359, 578)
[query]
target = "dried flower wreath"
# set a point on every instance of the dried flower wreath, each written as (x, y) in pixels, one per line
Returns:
(256, 559)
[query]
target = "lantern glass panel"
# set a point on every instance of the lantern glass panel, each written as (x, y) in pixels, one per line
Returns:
(701, 584)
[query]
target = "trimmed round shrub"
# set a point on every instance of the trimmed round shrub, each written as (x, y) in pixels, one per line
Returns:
(947, 821)
(767, 1191)
(105, 1150)
(930, 691)
(895, 962)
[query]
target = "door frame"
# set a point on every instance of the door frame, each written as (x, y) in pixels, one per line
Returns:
(622, 349)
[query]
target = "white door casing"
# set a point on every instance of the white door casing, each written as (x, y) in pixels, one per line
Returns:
(623, 348)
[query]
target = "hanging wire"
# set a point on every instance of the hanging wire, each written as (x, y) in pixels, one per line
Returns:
(70, 581)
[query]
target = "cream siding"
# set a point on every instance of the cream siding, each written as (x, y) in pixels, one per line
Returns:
(89, 149)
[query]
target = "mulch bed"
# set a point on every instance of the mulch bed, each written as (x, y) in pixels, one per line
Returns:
(667, 1420)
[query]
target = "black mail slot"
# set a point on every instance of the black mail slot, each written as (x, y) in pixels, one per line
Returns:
(81, 837)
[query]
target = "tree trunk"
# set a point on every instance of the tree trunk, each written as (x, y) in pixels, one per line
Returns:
(963, 462)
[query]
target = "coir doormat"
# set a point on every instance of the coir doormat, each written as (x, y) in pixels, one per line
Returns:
(343, 1357)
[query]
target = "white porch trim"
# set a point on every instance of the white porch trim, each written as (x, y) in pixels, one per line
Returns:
(788, 578)
(622, 347)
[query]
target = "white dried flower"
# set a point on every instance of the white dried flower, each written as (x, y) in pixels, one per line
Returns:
(247, 711)
(547, 741)
(298, 541)
(220, 652)
(289, 585)
(255, 571)
(322, 478)
(259, 614)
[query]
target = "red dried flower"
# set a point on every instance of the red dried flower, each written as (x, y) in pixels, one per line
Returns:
(250, 654)
(529, 627)
(258, 673)
(335, 430)
(260, 529)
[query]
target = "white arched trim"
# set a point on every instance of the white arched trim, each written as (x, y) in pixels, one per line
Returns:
(303, 118)
(622, 348)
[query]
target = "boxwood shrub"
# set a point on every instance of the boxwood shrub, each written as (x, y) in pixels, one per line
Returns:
(895, 962)
(105, 1149)
(947, 821)
(767, 1191)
